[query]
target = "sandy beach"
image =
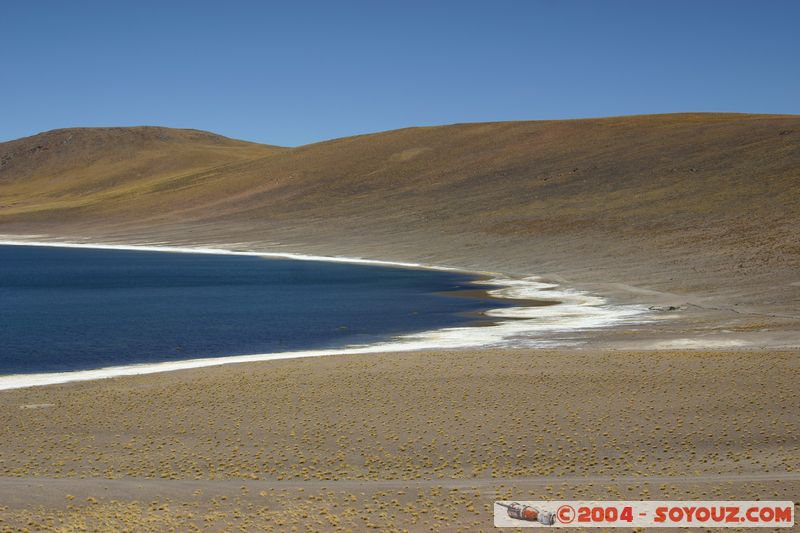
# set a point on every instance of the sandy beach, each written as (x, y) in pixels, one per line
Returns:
(417, 441)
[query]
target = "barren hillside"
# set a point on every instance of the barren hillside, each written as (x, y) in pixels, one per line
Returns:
(82, 167)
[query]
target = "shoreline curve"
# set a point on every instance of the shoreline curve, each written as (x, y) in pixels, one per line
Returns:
(516, 327)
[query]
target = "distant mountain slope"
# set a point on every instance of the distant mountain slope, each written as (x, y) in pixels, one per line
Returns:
(84, 166)
(701, 203)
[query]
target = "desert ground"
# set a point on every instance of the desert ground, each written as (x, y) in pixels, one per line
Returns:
(406, 441)
(694, 216)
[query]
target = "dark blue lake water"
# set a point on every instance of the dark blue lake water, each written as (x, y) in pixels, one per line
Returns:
(72, 309)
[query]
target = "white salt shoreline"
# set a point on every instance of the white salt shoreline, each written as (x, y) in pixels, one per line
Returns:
(575, 311)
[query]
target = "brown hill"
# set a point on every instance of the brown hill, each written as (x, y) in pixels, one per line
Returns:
(703, 207)
(80, 166)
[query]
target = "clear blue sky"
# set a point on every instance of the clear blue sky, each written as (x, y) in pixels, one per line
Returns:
(290, 73)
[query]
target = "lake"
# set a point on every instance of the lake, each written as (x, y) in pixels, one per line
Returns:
(65, 309)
